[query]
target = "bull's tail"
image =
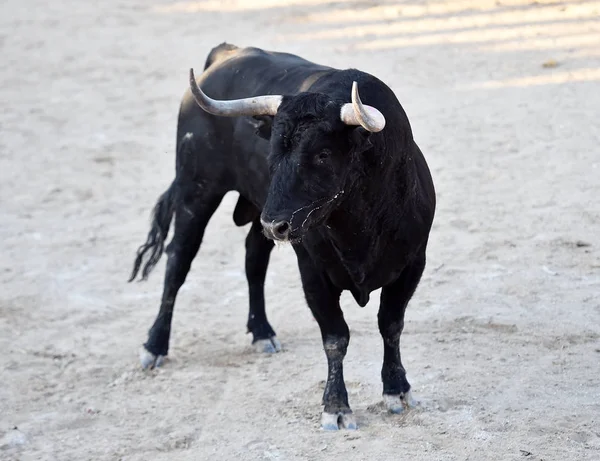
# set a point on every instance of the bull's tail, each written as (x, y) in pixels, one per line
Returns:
(163, 212)
(155, 243)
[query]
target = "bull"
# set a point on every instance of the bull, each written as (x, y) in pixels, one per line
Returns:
(323, 159)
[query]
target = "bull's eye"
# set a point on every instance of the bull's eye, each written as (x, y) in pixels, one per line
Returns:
(323, 156)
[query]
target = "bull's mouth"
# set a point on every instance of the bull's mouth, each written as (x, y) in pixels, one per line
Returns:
(301, 220)
(281, 233)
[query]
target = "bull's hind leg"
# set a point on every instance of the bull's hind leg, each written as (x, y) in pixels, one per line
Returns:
(191, 217)
(258, 250)
(394, 299)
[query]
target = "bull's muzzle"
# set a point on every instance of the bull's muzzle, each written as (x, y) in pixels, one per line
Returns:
(277, 230)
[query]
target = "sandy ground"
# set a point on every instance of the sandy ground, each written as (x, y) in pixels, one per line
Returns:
(502, 342)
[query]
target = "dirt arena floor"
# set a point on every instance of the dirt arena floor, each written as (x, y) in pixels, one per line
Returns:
(502, 341)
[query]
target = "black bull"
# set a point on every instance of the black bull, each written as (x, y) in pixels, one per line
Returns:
(356, 203)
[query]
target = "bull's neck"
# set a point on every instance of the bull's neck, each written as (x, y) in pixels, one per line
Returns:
(369, 212)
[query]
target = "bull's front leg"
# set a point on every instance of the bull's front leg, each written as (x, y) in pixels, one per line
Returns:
(394, 299)
(324, 302)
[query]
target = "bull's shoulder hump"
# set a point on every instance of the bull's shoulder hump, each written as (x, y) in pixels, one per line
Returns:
(256, 57)
(219, 53)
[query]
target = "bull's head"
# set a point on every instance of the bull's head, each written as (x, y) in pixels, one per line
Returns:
(313, 142)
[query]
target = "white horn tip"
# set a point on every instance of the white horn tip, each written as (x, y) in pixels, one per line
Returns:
(355, 91)
(375, 121)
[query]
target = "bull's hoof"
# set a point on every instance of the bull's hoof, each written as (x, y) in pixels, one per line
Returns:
(267, 346)
(149, 361)
(398, 403)
(336, 421)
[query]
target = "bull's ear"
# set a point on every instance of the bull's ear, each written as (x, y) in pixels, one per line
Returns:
(360, 140)
(263, 124)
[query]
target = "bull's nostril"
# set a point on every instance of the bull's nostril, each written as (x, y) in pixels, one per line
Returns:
(281, 229)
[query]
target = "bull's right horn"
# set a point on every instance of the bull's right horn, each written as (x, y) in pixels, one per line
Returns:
(357, 113)
(259, 105)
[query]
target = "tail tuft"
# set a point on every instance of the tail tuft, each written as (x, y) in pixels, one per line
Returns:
(155, 243)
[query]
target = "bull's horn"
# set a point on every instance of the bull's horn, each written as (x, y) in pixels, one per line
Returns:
(260, 105)
(357, 113)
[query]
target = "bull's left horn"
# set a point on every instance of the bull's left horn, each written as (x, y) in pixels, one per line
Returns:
(259, 105)
(357, 113)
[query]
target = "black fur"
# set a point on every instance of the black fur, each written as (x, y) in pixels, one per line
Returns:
(357, 206)
(155, 243)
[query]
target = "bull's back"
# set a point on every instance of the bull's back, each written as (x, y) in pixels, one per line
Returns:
(232, 73)
(237, 157)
